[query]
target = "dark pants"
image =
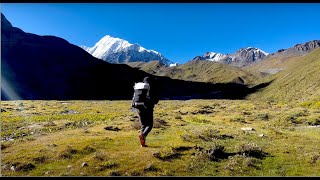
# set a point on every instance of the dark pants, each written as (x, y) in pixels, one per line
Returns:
(146, 120)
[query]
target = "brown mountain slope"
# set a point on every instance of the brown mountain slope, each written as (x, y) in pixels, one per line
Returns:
(279, 61)
(200, 71)
(272, 65)
(151, 67)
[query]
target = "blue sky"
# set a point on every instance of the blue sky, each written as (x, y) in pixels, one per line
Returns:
(180, 31)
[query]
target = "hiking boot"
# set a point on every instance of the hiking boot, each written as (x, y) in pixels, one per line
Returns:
(142, 140)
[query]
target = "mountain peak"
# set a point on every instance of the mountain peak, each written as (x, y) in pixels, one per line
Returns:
(5, 23)
(298, 49)
(242, 57)
(112, 44)
(308, 45)
(211, 56)
(252, 49)
(116, 50)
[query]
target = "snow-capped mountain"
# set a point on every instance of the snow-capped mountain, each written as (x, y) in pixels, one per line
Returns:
(242, 57)
(211, 56)
(247, 56)
(116, 50)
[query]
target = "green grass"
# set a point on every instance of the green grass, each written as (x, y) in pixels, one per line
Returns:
(190, 138)
(299, 81)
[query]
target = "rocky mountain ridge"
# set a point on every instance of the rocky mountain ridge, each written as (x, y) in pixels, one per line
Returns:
(242, 57)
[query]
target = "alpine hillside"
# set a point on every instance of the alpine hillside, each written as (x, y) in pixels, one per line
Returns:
(200, 71)
(116, 50)
(299, 80)
(278, 61)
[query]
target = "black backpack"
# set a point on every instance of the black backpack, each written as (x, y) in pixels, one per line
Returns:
(141, 95)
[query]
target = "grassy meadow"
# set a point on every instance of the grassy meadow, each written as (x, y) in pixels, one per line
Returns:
(190, 138)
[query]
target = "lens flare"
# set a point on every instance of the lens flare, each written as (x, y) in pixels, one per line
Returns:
(7, 91)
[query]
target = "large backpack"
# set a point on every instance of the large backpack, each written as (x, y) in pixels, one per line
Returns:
(141, 94)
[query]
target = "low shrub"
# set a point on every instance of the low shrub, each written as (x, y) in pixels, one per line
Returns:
(252, 150)
(207, 135)
(211, 134)
(150, 167)
(238, 119)
(115, 173)
(313, 120)
(240, 163)
(198, 120)
(107, 165)
(213, 152)
(216, 152)
(102, 156)
(314, 158)
(167, 154)
(68, 153)
(263, 116)
(40, 159)
(158, 123)
(111, 128)
(88, 150)
(23, 166)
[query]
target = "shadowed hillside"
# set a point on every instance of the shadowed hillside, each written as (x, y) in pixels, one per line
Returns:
(47, 67)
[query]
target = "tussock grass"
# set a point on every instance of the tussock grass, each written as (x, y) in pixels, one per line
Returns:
(190, 138)
(252, 150)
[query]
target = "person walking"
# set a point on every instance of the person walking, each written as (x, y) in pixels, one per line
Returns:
(144, 99)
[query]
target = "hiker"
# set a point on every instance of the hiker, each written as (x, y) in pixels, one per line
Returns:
(144, 99)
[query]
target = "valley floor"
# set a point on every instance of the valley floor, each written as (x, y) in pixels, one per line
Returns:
(190, 138)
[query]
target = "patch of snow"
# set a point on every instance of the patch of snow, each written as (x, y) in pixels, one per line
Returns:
(173, 65)
(212, 56)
